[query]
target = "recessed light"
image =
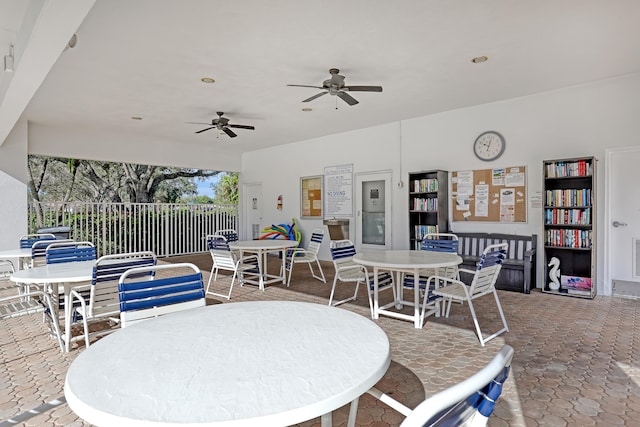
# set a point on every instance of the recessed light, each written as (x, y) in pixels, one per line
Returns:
(207, 80)
(136, 118)
(307, 109)
(479, 59)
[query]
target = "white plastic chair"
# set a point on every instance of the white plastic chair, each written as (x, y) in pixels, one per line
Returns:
(483, 283)
(72, 251)
(31, 303)
(174, 287)
(6, 270)
(225, 259)
(469, 403)
(342, 252)
(102, 302)
(307, 256)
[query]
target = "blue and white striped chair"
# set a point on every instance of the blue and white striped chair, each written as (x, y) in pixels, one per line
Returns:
(225, 259)
(39, 250)
(61, 252)
(28, 240)
(342, 252)
(102, 301)
(434, 242)
(308, 256)
(175, 287)
(483, 283)
(468, 403)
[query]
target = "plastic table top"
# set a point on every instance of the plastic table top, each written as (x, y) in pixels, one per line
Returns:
(261, 363)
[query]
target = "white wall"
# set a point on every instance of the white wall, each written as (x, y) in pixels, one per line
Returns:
(579, 121)
(13, 189)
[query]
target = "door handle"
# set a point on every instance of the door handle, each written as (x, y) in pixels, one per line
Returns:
(619, 224)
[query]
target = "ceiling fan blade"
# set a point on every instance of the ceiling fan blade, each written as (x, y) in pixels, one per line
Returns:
(198, 123)
(315, 96)
(200, 131)
(229, 132)
(347, 98)
(242, 127)
(315, 87)
(363, 88)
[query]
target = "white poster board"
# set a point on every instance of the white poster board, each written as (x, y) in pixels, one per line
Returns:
(338, 191)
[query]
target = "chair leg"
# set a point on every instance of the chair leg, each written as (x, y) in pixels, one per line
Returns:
(290, 273)
(475, 323)
(319, 276)
(333, 289)
(504, 320)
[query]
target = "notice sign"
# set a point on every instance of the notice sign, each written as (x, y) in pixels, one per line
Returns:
(338, 191)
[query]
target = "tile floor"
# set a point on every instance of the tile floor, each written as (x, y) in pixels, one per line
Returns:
(577, 361)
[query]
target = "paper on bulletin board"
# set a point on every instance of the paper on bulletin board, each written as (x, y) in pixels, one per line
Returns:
(482, 200)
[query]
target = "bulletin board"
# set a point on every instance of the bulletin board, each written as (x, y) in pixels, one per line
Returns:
(311, 197)
(491, 195)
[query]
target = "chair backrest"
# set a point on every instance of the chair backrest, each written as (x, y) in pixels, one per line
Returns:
(6, 268)
(60, 252)
(342, 252)
(488, 269)
(175, 287)
(440, 242)
(229, 234)
(104, 296)
(316, 240)
(39, 250)
(28, 240)
(473, 398)
(220, 253)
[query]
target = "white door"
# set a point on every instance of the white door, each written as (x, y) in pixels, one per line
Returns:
(622, 222)
(252, 211)
(373, 211)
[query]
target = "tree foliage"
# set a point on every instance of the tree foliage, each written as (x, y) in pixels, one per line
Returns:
(226, 189)
(64, 180)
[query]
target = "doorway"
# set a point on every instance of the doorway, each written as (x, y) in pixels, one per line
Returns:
(252, 211)
(622, 222)
(373, 211)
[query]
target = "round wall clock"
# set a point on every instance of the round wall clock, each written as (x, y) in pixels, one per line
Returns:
(489, 146)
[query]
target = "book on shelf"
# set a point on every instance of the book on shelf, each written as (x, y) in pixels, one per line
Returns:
(425, 185)
(568, 169)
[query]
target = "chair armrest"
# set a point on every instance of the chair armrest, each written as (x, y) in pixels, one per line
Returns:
(466, 270)
(530, 254)
(83, 304)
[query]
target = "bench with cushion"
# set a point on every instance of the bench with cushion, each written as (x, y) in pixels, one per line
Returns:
(519, 269)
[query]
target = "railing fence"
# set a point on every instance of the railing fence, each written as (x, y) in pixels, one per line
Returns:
(164, 228)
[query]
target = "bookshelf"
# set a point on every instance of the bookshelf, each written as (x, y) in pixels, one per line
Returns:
(428, 204)
(569, 226)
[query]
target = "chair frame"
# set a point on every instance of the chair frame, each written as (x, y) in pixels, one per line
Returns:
(451, 406)
(342, 252)
(31, 302)
(226, 259)
(483, 283)
(144, 299)
(307, 256)
(39, 250)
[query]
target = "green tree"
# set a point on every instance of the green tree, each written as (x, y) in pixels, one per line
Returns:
(226, 189)
(57, 179)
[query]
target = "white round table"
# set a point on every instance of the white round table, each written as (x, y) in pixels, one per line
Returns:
(261, 248)
(404, 261)
(263, 363)
(68, 274)
(23, 254)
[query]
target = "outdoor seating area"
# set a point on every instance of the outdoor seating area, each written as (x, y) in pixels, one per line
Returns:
(567, 367)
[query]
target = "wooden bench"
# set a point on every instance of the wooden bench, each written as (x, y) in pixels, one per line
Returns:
(519, 269)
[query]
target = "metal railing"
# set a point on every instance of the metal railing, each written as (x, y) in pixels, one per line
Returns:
(164, 228)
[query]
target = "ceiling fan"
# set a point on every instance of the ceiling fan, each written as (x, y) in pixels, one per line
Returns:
(335, 86)
(222, 123)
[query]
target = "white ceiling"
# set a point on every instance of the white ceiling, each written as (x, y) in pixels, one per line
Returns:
(146, 58)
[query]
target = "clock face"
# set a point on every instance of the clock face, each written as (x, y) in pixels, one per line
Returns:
(489, 146)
